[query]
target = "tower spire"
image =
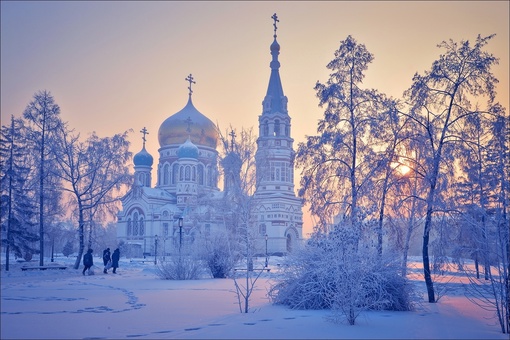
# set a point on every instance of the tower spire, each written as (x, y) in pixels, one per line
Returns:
(275, 101)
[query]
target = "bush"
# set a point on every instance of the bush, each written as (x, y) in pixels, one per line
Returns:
(330, 273)
(216, 253)
(180, 268)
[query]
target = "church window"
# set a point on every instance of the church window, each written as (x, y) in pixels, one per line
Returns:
(181, 173)
(193, 174)
(165, 229)
(129, 227)
(187, 173)
(277, 127)
(262, 229)
(207, 176)
(142, 226)
(265, 128)
(200, 174)
(166, 171)
(287, 130)
(277, 174)
(175, 172)
(135, 224)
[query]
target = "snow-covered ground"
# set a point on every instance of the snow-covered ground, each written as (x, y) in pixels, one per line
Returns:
(135, 303)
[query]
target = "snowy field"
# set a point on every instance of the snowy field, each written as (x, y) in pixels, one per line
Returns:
(135, 303)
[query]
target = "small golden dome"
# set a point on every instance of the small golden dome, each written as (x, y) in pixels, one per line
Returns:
(188, 122)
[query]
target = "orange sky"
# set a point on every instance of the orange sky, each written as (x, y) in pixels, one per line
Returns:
(113, 66)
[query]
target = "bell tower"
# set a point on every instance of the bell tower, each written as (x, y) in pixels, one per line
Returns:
(279, 214)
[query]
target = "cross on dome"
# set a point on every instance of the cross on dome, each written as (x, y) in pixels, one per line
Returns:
(144, 132)
(233, 135)
(191, 81)
(275, 18)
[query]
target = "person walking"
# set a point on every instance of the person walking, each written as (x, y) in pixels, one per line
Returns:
(106, 259)
(88, 261)
(115, 260)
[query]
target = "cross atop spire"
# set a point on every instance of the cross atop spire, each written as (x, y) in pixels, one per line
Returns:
(233, 135)
(189, 122)
(144, 132)
(191, 81)
(275, 18)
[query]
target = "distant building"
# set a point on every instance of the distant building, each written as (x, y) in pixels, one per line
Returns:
(187, 181)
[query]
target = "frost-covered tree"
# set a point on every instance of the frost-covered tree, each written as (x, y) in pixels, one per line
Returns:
(94, 171)
(239, 205)
(42, 115)
(440, 101)
(340, 163)
(18, 213)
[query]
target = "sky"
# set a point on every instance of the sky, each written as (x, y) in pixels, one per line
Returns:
(118, 65)
(135, 303)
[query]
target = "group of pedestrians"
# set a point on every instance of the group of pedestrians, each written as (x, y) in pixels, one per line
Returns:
(109, 260)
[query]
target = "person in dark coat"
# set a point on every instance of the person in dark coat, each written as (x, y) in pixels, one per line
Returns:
(88, 261)
(115, 260)
(106, 258)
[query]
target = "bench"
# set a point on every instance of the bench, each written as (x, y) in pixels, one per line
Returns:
(42, 267)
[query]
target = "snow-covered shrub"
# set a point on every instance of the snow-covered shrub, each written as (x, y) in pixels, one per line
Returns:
(215, 251)
(330, 272)
(180, 268)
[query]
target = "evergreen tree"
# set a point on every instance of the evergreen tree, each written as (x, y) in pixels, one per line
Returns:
(18, 212)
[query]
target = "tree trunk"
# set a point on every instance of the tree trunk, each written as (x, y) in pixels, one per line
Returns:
(81, 232)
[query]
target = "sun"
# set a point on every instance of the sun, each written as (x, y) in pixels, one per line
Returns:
(403, 169)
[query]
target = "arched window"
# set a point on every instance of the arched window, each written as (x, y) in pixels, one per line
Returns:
(200, 174)
(208, 176)
(277, 127)
(175, 172)
(142, 226)
(165, 174)
(181, 173)
(135, 224)
(287, 130)
(129, 227)
(187, 172)
(265, 128)
(262, 229)
(193, 174)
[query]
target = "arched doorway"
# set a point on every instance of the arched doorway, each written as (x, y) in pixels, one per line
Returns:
(289, 243)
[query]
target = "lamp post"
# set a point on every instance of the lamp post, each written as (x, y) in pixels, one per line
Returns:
(52, 249)
(155, 249)
(180, 234)
(266, 252)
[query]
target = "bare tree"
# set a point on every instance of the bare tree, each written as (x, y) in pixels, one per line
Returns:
(440, 101)
(95, 171)
(239, 206)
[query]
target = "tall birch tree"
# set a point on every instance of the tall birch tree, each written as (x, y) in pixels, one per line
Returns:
(440, 101)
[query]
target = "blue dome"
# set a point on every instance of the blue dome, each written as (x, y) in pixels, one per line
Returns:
(143, 158)
(187, 150)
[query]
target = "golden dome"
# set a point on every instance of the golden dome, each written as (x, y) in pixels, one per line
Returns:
(188, 122)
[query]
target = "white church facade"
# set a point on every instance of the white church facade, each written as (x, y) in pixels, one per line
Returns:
(187, 204)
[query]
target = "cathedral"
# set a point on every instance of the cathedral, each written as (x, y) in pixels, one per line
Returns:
(186, 203)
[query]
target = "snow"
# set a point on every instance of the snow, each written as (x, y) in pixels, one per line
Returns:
(135, 303)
